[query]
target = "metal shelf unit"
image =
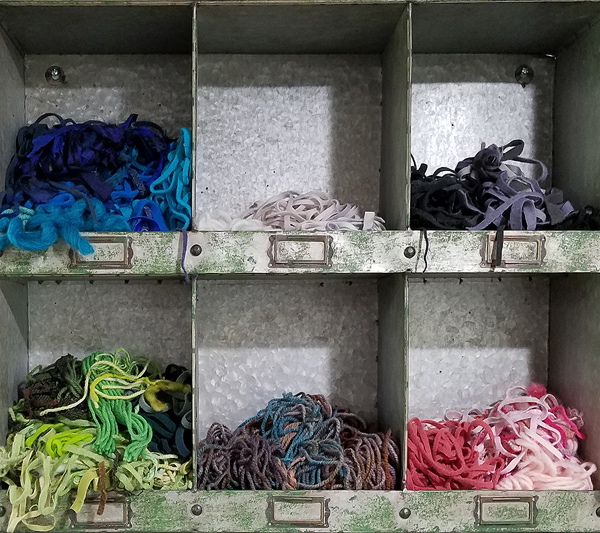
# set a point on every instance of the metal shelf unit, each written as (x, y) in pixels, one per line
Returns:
(330, 95)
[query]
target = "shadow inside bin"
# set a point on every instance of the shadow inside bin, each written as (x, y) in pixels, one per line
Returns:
(271, 123)
(111, 87)
(460, 101)
(473, 339)
(257, 341)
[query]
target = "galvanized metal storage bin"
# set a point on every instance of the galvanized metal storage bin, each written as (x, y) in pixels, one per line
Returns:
(332, 96)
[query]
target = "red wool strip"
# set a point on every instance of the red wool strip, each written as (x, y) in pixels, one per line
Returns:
(443, 456)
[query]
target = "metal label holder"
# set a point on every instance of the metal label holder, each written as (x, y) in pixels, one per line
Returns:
(525, 503)
(276, 261)
(321, 521)
(121, 504)
(490, 250)
(122, 262)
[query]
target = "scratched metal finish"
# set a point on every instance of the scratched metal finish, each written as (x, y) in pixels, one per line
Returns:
(471, 341)
(270, 123)
(461, 101)
(257, 340)
(156, 87)
(13, 346)
(145, 318)
(12, 101)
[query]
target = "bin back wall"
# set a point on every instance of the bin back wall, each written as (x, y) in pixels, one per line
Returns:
(12, 101)
(462, 100)
(272, 123)
(111, 87)
(472, 339)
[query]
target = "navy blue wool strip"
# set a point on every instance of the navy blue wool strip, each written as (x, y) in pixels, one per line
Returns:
(86, 156)
(489, 191)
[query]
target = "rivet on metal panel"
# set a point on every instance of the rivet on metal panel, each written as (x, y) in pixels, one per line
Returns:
(196, 250)
(55, 75)
(404, 513)
(409, 252)
(196, 509)
(524, 75)
(2, 510)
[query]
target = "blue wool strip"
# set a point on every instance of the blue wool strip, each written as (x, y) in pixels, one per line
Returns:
(86, 154)
(38, 230)
(94, 176)
(171, 191)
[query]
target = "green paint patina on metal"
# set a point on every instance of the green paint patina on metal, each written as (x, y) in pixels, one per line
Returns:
(579, 250)
(155, 254)
(457, 238)
(18, 263)
(562, 512)
(158, 254)
(456, 511)
(564, 251)
(241, 510)
(243, 516)
(155, 511)
(431, 507)
(230, 253)
(363, 512)
(378, 515)
(359, 253)
(509, 513)
(366, 251)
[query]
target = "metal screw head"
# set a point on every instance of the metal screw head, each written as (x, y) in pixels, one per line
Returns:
(404, 513)
(196, 509)
(598, 512)
(409, 252)
(2, 510)
(196, 250)
(55, 75)
(524, 75)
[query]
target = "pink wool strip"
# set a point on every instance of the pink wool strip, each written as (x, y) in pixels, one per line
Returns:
(527, 441)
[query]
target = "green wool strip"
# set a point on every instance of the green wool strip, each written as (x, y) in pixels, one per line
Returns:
(106, 371)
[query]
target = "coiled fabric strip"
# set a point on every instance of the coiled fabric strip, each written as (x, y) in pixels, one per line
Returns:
(527, 441)
(38, 229)
(57, 385)
(171, 422)
(539, 439)
(171, 191)
(444, 456)
(42, 463)
(87, 155)
(298, 442)
(112, 380)
(291, 211)
(60, 442)
(93, 176)
(487, 192)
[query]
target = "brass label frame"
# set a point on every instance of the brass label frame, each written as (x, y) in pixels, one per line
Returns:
(489, 250)
(113, 499)
(322, 521)
(529, 501)
(77, 260)
(277, 262)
